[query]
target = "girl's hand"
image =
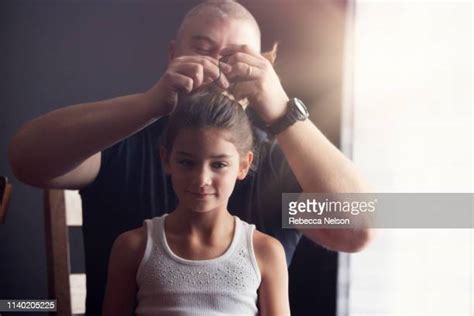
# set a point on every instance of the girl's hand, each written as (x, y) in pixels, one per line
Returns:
(257, 81)
(184, 74)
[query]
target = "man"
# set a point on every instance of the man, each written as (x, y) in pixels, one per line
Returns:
(108, 149)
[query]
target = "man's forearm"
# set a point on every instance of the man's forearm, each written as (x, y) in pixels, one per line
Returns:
(57, 142)
(320, 167)
(317, 164)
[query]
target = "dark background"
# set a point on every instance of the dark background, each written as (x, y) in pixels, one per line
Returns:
(57, 53)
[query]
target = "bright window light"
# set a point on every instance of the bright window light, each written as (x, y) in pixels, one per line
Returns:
(409, 80)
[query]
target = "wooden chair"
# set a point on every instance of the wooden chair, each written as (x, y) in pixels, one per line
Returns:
(60, 280)
(5, 193)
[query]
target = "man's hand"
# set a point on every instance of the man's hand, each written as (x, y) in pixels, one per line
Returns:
(185, 74)
(257, 80)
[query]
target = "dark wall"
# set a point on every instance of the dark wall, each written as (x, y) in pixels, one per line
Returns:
(56, 53)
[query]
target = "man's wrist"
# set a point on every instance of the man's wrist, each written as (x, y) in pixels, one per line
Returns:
(279, 112)
(296, 111)
(150, 105)
(157, 103)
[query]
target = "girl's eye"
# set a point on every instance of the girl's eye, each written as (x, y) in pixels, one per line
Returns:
(219, 165)
(185, 162)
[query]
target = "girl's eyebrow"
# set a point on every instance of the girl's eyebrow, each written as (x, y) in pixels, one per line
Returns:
(183, 153)
(220, 156)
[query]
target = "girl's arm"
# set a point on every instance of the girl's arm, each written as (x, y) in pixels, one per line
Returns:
(121, 291)
(273, 292)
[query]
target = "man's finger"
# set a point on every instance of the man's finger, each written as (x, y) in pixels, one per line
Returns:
(245, 58)
(196, 59)
(209, 64)
(243, 90)
(240, 48)
(242, 71)
(222, 79)
(180, 83)
(194, 71)
(201, 74)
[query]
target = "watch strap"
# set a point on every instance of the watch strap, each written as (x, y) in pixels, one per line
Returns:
(296, 111)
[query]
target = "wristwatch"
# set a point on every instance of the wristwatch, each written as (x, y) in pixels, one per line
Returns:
(297, 111)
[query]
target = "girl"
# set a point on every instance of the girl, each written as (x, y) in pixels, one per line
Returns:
(199, 259)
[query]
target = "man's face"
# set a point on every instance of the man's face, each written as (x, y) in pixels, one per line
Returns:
(208, 36)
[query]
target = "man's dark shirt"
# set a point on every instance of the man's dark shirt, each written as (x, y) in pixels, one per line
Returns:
(132, 186)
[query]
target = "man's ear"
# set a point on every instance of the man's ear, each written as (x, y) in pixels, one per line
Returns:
(165, 159)
(271, 55)
(172, 50)
(245, 164)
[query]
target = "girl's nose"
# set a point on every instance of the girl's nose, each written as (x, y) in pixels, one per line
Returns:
(203, 177)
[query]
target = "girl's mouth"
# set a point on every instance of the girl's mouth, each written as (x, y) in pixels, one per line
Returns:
(201, 195)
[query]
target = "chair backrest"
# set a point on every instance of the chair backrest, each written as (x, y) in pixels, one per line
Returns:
(5, 193)
(57, 250)
(60, 280)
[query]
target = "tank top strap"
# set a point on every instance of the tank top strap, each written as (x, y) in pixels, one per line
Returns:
(247, 243)
(148, 225)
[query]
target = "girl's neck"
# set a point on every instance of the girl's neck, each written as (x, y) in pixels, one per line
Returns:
(206, 224)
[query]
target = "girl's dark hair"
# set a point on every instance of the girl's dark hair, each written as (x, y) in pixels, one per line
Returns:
(209, 109)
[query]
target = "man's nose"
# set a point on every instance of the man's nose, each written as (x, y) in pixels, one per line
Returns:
(221, 56)
(216, 55)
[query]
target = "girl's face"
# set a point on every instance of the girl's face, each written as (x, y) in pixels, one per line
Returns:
(204, 167)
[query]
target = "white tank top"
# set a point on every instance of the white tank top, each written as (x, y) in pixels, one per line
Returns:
(171, 285)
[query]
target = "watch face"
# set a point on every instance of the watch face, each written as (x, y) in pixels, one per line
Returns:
(301, 107)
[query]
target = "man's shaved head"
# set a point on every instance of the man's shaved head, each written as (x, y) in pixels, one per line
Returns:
(219, 9)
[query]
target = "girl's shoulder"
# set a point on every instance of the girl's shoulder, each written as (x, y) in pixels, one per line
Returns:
(131, 244)
(268, 250)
